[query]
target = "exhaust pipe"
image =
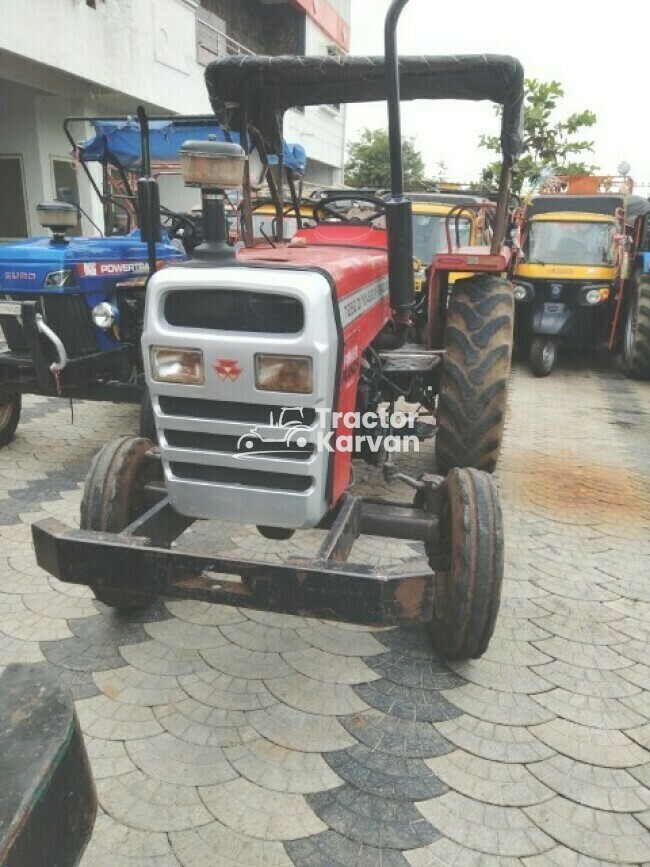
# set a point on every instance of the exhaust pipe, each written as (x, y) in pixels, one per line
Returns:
(399, 219)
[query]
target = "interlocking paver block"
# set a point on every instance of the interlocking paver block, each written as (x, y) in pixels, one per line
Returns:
(612, 836)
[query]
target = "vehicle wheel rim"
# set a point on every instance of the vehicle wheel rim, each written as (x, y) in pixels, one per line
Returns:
(630, 328)
(5, 413)
(548, 355)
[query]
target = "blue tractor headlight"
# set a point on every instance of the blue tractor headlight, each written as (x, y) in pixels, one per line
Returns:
(59, 279)
(105, 316)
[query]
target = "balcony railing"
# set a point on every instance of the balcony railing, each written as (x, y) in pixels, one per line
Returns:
(212, 42)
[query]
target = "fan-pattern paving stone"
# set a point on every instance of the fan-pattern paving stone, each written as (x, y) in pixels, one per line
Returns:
(495, 830)
(220, 735)
(499, 783)
(281, 769)
(259, 812)
(595, 833)
(603, 747)
(172, 760)
(610, 789)
(217, 844)
(494, 742)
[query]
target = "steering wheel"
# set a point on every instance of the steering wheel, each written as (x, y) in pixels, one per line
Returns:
(191, 234)
(325, 209)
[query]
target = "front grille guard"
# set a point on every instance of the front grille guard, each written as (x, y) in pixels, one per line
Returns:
(141, 559)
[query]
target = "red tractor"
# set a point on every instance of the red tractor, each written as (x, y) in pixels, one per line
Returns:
(320, 325)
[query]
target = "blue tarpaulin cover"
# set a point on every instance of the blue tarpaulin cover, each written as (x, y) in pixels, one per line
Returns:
(119, 141)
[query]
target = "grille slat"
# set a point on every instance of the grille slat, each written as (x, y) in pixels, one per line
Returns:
(229, 445)
(221, 410)
(241, 477)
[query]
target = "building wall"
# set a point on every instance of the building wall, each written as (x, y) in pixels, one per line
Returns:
(320, 129)
(145, 49)
(107, 60)
(275, 29)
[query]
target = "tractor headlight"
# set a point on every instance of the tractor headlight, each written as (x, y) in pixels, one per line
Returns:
(597, 296)
(59, 279)
(184, 366)
(104, 315)
(288, 373)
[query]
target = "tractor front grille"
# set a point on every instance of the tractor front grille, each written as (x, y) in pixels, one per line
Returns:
(67, 315)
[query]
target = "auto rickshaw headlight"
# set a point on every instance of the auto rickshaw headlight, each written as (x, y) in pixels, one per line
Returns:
(520, 292)
(597, 296)
(524, 291)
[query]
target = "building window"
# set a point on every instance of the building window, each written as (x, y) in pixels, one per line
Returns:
(66, 187)
(13, 203)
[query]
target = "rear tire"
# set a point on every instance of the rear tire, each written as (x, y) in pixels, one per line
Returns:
(467, 594)
(113, 498)
(543, 355)
(474, 380)
(10, 409)
(636, 336)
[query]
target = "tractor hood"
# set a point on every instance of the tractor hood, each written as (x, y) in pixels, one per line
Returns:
(24, 265)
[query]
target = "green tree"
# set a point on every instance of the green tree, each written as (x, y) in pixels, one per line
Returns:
(551, 146)
(368, 163)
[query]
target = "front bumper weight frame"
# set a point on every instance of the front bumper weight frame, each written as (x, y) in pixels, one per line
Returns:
(327, 586)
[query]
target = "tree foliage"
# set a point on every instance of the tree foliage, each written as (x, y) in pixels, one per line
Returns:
(368, 163)
(551, 146)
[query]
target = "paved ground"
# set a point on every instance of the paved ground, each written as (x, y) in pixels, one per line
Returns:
(219, 737)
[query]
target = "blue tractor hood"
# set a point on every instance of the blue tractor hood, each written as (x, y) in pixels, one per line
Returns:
(118, 142)
(25, 265)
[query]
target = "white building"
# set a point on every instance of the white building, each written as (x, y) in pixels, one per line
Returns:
(104, 57)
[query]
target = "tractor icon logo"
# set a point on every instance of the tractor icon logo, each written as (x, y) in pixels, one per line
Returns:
(290, 434)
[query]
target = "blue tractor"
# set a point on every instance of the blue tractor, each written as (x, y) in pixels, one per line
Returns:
(71, 308)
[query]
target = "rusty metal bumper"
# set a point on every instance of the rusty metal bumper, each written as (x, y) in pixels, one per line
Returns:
(327, 586)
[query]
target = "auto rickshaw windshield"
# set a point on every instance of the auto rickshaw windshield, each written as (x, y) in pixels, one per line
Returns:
(570, 243)
(430, 237)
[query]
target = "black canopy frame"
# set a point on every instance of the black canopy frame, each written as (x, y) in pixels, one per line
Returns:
(253, 92)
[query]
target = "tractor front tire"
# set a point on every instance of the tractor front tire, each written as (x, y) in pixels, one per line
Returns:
(636, 336)
(113, 498)
(475, 368)
(467, 593)
(10, 408)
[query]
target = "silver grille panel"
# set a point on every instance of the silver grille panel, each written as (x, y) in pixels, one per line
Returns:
(199, 427)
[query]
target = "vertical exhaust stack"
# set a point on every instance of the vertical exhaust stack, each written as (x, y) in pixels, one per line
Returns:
(399, 219)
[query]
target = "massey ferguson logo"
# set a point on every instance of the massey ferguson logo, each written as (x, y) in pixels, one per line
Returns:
(20, 275)
(227, 369)
(112, 269)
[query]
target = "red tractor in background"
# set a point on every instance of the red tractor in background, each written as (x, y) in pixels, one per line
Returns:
(321, 325)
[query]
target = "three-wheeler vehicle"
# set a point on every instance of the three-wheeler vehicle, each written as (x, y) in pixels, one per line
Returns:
(572, 274)
(318, 325)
